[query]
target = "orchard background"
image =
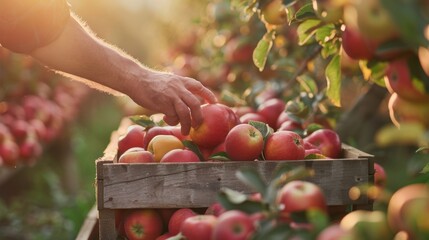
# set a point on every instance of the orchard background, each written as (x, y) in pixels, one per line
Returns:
(343, 63)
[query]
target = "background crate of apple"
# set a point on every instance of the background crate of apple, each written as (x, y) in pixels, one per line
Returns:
(196, 185)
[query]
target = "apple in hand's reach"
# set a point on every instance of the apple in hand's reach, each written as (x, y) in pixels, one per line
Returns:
(244, 143)
(155, 131)
(218, 119)
(133, 137)
(327, 141)
(136, 155)
(180, 155)
(162, 144)
(284, 145)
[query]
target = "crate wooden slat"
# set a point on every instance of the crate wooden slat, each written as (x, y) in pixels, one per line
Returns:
(89, 229)
(195, 185)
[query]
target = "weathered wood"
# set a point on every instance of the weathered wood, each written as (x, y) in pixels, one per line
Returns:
(107, 230)
(89, 229)
(196, 184)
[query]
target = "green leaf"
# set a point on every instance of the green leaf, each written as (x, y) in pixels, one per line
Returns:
(305, 12)
(252, 178)
(179, 236)
(306, 30)
(287, 3)
(262, 127)
(333, 78)
(312, 127)
(143, 120)
(418, 74)
(222, 156)
(260, 53)
(308, 84)
(194, 148)
(325, 33)
(274, 231)
(318, 219)
(234, 200)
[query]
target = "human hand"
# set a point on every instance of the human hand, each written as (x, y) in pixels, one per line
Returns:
(179, 98)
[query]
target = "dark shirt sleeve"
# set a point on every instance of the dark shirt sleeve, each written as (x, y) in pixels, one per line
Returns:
(29, 24)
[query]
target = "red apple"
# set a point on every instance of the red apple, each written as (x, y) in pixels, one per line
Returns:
(9, 152)
(178, 218)
(312, 150)
(290, 125)
(271, 110)
(154, 131)
(20, 129)
(239, 50)
(399, 79)
(241, 110)
(198, 227)
(244, 143)
(379, 175)
(246, 118)
(180, 155)
(40, 129)
(284, 145)
(215, 209)
(30, 149)
(177, 132)
(233, 225)
(408, 209)
(218, 119)
(133, 137)
(136, 155)
(143, 224)
(364, 224)
(283, 117)
(332, 232)
(356, 45)
(327, 141)
(298, 196)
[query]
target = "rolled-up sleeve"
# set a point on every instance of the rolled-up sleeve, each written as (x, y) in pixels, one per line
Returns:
(29, 24)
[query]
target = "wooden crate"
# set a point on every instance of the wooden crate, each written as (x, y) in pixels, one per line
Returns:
(195, 185)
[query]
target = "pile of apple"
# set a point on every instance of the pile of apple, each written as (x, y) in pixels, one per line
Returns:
(35, 105)
(224, 134)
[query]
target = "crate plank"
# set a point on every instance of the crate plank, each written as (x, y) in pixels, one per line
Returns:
(196, 184)
(89, 229)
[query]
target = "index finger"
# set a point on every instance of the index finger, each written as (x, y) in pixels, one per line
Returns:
(198, 88)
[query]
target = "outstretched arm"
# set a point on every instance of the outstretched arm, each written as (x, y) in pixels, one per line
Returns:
(80, 53)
